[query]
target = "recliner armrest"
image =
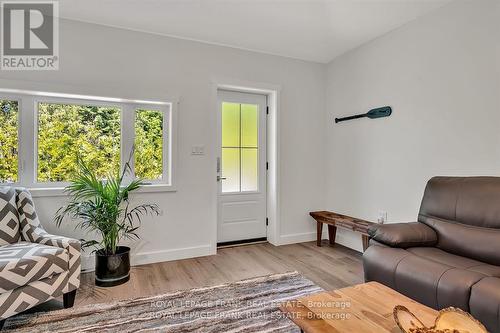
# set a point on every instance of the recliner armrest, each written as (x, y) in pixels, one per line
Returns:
(404, 235)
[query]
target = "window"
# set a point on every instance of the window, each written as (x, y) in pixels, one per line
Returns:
(149, 144)
(240, 149)
(9, 124)
(106, 133)
(65, 130)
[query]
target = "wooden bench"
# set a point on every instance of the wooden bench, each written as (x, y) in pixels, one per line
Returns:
(334, 221)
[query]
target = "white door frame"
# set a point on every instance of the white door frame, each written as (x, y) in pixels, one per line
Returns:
(272, 92)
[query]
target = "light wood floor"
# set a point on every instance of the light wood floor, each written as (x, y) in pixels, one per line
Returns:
(329, 267)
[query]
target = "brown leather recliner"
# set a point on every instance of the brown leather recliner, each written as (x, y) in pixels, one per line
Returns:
(451, 256)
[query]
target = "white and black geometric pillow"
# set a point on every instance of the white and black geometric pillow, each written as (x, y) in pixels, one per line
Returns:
(9, 220)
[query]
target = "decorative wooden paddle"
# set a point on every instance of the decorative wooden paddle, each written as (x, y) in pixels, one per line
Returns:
(449, 320)
(372, 114)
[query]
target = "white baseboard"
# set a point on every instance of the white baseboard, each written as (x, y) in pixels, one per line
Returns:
(343, 237)
(349, 239)
(299, 237)
(88, 263)
(142, 258)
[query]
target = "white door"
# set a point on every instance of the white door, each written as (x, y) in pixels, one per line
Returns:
(241, 166)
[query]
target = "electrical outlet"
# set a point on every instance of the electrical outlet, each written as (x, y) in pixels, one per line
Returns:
(382, 217)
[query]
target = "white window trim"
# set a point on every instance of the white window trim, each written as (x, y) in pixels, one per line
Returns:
(28, 134)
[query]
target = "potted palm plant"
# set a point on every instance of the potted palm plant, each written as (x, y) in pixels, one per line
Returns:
(102, 206)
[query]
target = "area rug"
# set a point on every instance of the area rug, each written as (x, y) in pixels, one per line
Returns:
(245, 306)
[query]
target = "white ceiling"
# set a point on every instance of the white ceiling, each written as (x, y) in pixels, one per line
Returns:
(314, 30)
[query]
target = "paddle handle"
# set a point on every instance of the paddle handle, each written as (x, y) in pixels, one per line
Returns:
(337, 120)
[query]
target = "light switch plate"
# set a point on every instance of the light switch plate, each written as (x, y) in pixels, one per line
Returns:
(198, 150)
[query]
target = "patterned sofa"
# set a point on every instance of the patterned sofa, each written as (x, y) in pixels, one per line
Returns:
(34, 265)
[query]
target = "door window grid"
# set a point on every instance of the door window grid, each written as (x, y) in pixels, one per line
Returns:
(239, 147)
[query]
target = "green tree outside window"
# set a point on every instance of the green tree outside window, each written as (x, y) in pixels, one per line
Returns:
(8, 141)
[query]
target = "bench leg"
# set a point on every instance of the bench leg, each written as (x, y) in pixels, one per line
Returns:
(319, 233)
(332, 232)
(366, 242)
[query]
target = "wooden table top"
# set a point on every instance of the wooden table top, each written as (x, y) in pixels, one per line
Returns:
(364, 308)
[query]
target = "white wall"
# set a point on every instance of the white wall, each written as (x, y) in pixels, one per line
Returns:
(105, 61)
(441, 75)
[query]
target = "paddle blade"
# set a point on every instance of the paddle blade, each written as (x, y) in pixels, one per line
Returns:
(379, 112)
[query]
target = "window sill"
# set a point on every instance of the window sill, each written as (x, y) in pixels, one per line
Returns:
(38, 192)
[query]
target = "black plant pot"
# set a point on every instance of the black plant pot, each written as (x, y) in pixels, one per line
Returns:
(112, 269)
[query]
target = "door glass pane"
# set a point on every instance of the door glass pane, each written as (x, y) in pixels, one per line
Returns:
(249, 169)
(231, 169)
(230, 124)
(249, 125)
(240, 128)
(148, 154)
(8, 140)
